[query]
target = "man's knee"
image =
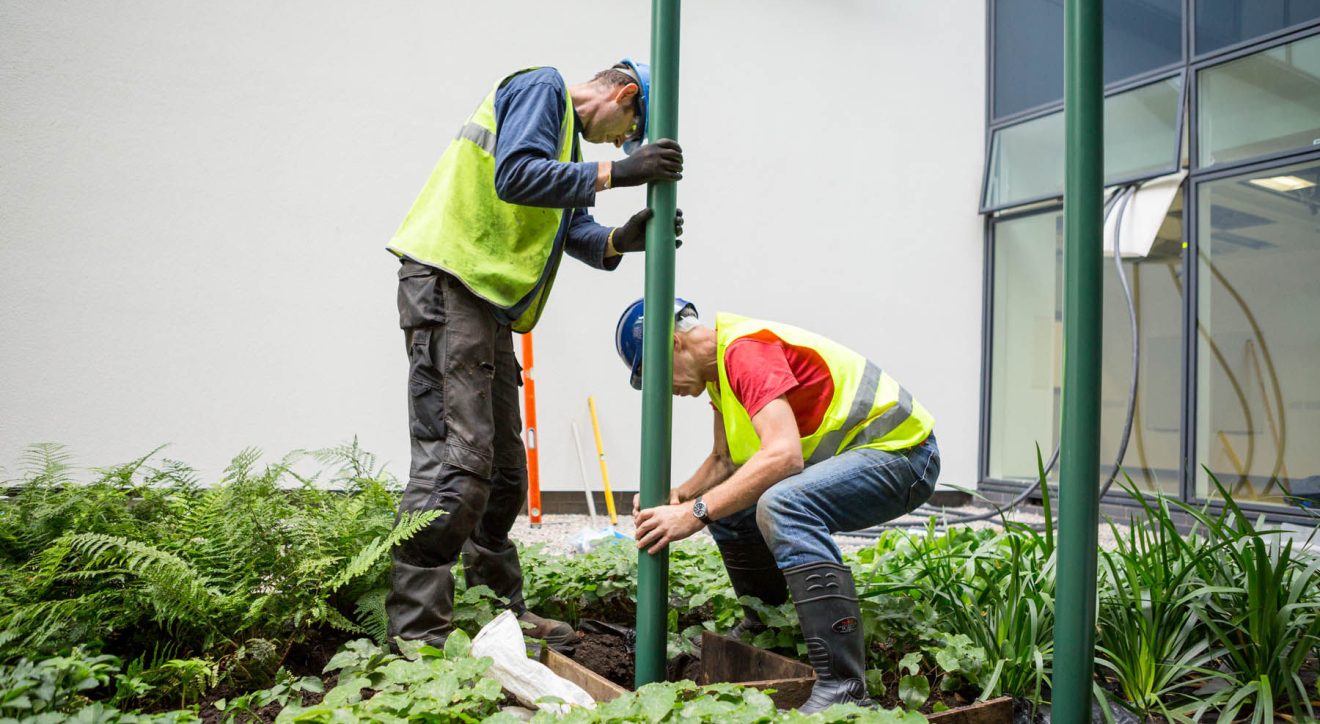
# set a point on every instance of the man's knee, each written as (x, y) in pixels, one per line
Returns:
(770, 510)
(461, 500)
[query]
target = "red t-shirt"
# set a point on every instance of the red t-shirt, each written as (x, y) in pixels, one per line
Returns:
(761, 367)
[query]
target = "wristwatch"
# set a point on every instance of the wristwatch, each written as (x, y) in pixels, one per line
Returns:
(699, 510)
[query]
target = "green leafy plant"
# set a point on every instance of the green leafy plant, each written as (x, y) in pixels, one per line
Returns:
(55, 684)
(434, 686)
(286, 690)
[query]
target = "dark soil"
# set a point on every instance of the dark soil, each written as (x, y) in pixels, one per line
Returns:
(613, 656)
(952, 699)
(309, 657)
(684, 666)
(607, 655)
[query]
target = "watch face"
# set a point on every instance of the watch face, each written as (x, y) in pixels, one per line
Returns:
(699, 509)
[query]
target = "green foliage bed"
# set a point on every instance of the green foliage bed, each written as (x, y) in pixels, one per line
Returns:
(137, 589)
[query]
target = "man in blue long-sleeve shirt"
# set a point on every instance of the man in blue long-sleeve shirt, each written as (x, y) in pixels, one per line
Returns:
(479, 250)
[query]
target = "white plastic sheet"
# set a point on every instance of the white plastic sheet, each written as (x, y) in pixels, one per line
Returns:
(527, 680)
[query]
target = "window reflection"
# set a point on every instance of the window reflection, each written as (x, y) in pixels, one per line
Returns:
(1260, 104)
(1258, 389)
(1026, 353)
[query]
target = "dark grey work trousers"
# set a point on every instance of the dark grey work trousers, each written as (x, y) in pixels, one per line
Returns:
(468, 458)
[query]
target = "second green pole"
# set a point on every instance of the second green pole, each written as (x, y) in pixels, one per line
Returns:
(1079, 469)
(658, 346)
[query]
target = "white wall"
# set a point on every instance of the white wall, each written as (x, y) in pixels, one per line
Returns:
(194, 197)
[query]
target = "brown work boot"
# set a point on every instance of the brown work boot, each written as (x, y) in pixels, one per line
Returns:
(557, 634)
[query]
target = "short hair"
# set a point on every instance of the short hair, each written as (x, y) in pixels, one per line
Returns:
(614, 77)
(686, 323)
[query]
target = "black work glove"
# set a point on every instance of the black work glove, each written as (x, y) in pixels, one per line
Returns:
(632, 235)
(659, 161)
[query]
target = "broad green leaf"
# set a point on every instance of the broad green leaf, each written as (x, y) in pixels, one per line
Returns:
(913, 691)
(458, 644)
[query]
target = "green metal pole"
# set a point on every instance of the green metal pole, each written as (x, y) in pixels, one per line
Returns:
(658, 345)
(1079, 470)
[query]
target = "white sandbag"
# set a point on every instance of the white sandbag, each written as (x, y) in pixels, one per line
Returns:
(526, 679)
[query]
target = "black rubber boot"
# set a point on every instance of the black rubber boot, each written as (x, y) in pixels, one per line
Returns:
(753, 572)
(501, 571)
(826, 602)
(420, 605)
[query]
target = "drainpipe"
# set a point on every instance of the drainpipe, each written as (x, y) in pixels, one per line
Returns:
(1079, 471)
(658, 346)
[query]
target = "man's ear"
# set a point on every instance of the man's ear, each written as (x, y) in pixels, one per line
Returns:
(624, 95)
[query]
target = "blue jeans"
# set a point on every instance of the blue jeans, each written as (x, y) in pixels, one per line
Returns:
(857, 489)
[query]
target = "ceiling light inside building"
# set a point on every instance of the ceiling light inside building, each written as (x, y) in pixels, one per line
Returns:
(1283, 183)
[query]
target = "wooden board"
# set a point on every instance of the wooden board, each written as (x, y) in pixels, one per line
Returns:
(995, 711)
(599, 687)
(785, 693)
(724, 659)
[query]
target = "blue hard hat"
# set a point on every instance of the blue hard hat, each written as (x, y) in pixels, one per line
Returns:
(628, 335)
(642, 72)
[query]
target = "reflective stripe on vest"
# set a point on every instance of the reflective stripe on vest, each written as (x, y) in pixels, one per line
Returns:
(505, 253)
(868, 409)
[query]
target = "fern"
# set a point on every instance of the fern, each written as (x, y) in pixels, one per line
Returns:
(408, 526)
(177, 591)
(371, 615)
(141, 560)
(45, 463)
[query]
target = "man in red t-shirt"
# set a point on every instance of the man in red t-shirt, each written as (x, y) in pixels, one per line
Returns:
(810, 439)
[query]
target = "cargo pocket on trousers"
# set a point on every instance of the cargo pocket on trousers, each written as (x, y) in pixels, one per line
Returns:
(426, 397)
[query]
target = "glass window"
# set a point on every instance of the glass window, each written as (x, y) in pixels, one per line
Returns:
(1260, 104)
(1026, 353)
(1141, 127)
(1025, 373)
(1139, 36)
(1028, 54)
(1026, 160)
(1257, 389)
(1221, 23)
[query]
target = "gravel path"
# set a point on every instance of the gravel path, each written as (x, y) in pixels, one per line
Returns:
(557, 532)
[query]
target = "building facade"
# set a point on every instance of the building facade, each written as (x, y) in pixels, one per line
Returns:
(1212, 152)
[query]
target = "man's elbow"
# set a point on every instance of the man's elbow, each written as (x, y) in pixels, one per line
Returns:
(788, 459)
(506, 188)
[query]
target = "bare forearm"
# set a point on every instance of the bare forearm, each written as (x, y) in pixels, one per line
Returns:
(604, 174)
(742, 489)
(713, 471)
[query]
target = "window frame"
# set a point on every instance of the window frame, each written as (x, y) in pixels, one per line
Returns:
(1131, 84)
(1196, 56)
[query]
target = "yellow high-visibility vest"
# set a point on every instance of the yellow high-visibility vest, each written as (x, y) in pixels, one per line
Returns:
(869, 409)
(505, 253)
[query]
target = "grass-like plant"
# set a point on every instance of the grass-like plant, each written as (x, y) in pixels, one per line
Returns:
(1260, 599)
(1149, 637)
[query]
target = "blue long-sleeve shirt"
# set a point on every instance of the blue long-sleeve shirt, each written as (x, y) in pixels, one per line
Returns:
(529, 110)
